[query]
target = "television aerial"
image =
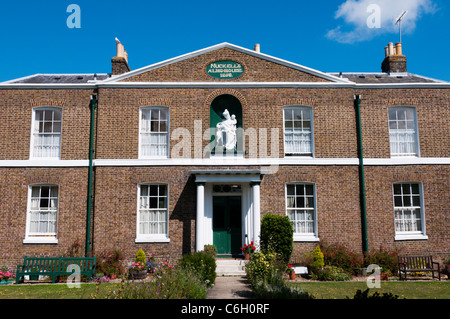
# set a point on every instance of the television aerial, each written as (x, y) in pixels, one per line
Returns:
(399, 22)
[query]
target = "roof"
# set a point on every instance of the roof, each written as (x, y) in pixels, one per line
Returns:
(61, 78)
(384, 78)
(347, 79)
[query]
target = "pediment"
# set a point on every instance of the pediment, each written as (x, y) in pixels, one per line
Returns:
(225, 63)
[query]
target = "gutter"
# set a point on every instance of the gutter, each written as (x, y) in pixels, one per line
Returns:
(92, 105)
(362, 195)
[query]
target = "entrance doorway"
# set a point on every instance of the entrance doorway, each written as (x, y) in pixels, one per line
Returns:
(227, 225)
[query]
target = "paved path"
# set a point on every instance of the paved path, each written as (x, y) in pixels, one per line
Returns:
(230, 287)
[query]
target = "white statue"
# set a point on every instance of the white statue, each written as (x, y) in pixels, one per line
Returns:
(226, 132)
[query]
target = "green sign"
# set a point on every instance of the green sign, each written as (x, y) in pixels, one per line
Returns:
(224, 69)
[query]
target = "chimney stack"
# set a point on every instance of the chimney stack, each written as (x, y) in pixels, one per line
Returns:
(394, 61)
(120, 61)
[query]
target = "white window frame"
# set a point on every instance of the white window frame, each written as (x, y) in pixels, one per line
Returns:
(300, 154)
(410, 235)
(404, 131)
(41, 237)
(141, 150)
(298, 236)
(34, 133)
(145, 238)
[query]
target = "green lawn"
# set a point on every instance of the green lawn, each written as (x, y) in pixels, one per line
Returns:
(321, 290)
(404, 290)
(56, 291)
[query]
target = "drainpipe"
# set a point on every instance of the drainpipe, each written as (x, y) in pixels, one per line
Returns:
(92, 105)
(365, 245)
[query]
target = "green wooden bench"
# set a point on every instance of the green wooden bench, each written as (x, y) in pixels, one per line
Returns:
(54, 267)
(407, 264)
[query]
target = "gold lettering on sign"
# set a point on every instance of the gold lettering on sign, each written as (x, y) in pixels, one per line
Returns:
(47, 102)
(155, 101)
(298, 101)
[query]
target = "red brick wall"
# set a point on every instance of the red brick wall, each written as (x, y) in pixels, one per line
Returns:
(16, 113)
(72, 183)
(194, 69)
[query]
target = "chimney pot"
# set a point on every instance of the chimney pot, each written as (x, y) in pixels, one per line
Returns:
(257, 47)
(394, 61)
(120, 61)
(398, 49)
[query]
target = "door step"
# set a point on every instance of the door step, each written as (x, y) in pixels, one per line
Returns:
(230, 267)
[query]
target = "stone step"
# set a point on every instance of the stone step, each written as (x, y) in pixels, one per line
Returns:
(230, 267)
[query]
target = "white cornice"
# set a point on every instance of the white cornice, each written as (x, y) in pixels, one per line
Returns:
(224, 162)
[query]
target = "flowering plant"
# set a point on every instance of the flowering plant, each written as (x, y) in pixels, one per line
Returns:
(248, 248)
(290, 269)
(6, 274)
(138, 266)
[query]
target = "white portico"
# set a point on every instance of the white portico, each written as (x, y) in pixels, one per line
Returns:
(228, 209)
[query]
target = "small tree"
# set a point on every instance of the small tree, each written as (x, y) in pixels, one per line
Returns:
(140, 256)
(318, 262)
(277, 236)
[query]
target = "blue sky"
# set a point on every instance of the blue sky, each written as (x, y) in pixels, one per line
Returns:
(329, 36)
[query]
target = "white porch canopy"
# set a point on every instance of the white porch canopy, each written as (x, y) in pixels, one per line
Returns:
(249, 180)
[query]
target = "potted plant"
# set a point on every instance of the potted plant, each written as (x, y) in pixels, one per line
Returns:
(6, 276)
(291, 272)
(247, 250)
(138, 270)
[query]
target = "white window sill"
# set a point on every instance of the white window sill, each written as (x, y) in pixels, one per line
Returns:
(38, 240)
(308, 238)
(141, 240)
(411, 237)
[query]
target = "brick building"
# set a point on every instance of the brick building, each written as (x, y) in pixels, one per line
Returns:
(194, 150)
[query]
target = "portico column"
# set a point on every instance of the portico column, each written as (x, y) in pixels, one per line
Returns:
(256, 211)
(199, 233)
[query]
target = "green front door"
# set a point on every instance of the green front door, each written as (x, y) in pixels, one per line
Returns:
(227, 234)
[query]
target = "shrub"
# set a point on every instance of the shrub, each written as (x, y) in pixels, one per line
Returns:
(110, 263)
(263, 266)
(176, 283)
(340, 256)
(318, 262)
(140, 256)
(74, 250)
(387, 260)
(203, 264)
(365, 295)
(331, 273)
(276, 287)
(277, 235)
(210, 250)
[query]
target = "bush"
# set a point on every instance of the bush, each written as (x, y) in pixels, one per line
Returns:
(365, 295)
(176, 283)
(140, 256)
(331, 273)
(276, 288)
(387, 260)
(210, 250)
(340, 256)
(261, 267)
(110, 263)
(203, 264)
(277, 236)
(318, 262)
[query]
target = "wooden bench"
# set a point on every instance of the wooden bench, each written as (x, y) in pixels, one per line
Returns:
(54, 267)
(408, 264)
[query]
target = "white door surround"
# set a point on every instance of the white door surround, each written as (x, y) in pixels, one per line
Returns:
(249, 182)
